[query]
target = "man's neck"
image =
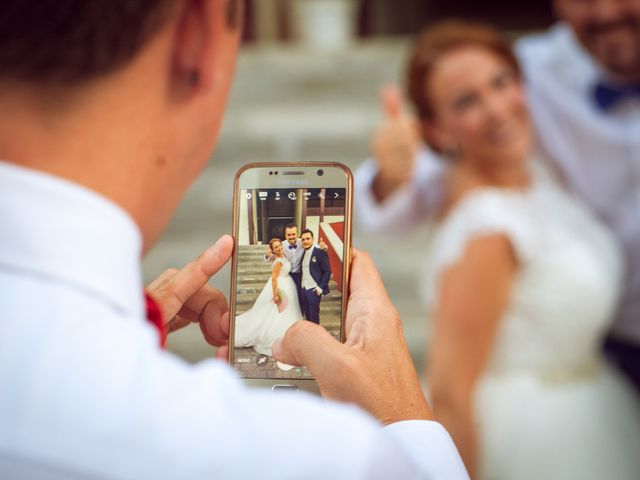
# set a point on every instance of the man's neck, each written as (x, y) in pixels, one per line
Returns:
(80, 139)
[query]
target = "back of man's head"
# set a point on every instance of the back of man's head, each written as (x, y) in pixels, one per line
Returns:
(124, 97)
(65, 42)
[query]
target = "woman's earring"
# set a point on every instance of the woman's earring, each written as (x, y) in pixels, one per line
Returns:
(451, 151)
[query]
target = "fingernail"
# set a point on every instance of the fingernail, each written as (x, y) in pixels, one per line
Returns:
(223, 239)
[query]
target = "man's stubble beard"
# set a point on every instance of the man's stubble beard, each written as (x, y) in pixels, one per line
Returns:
(610, 54)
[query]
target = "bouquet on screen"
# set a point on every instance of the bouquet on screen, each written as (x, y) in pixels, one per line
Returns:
(282, 301)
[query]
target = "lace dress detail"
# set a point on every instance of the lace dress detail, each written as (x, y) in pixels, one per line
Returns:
(546, 380)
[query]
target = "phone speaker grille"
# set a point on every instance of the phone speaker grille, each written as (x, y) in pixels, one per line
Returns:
(292, 173)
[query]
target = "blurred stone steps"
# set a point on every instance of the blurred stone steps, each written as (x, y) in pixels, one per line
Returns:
(254, 272)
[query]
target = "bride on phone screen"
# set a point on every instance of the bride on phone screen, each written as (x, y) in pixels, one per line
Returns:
(275, 309)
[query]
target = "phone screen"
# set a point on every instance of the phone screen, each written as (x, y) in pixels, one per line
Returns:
(289, 267)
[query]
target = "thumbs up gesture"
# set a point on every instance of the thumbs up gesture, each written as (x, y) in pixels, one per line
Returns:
(394, 144)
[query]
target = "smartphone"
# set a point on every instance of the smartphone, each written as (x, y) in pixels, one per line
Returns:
(292, 231)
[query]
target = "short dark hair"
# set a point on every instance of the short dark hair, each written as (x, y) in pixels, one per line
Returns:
(66, 42)
(306, 230)
(290, 225)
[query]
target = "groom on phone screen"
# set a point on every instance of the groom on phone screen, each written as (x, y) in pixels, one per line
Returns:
(294, 251)
(316, 273)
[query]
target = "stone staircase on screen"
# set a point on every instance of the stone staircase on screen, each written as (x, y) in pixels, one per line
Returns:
(253, 274)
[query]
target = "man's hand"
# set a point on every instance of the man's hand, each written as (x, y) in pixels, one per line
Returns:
(394, 144)
(373, 368)
(184, 296)
(319, 291)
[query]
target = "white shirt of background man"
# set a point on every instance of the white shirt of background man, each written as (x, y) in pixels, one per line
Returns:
(308, 283)
(294, 255)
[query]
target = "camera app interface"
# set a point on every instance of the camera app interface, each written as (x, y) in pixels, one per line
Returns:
(290, 254)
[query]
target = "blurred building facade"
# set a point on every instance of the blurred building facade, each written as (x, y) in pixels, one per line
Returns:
(287, 20)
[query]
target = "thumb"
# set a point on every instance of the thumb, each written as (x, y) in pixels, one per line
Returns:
(191, 278)
(307, 344)
(391, 100)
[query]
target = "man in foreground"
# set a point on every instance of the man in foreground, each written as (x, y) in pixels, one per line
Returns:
(108, 111)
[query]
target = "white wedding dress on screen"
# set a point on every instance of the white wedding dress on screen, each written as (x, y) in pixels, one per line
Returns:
(548, 406)
(265, 322)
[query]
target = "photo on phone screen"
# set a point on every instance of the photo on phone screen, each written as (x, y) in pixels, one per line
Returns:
(290, 251)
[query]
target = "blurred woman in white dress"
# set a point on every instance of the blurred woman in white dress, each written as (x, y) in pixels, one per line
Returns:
(275, 309)
(522, 283)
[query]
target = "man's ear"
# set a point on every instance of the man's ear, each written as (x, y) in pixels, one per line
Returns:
(203, 33)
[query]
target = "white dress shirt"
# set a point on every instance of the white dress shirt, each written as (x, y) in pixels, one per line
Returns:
(308, 283)
(86, 392)
(294, 255)
(596, 153)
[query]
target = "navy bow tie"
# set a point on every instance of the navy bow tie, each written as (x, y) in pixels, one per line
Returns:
(608, 96)
(293, 247)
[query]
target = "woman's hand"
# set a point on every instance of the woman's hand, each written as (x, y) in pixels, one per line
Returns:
(394, 144)
(274, 281)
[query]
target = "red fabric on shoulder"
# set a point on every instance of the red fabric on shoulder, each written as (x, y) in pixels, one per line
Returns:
(154, 316)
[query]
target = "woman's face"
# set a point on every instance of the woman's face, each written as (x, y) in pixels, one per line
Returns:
(277, 248)
(479, 107)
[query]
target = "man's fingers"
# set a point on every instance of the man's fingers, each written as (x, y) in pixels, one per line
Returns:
(177, 322)
(207, 306)
(365, 278)
(160, 282)
(188, 280)
(223, 353)
(207, 299)
(367, 296)
(215, 328)
(308, 344)
(391, 99)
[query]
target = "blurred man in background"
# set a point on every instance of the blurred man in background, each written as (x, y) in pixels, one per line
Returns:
(583, 81)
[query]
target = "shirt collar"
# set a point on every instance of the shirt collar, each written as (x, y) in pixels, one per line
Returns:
(54, 228)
